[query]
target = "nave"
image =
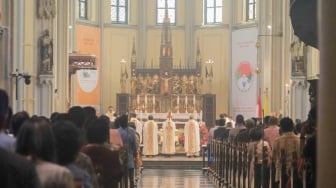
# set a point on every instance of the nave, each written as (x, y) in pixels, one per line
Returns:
(174, 178)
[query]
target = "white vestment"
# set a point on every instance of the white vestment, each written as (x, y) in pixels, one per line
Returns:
(192, 138)
(150, 138)
(168, 142)
(138, 127)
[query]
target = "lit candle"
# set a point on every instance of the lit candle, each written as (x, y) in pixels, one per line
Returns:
(186, 99)
(145, 99)
(178, 99)
(194, 100)
(138, 99)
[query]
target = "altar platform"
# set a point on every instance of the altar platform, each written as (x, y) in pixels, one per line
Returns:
(177, 117)
(173, 162)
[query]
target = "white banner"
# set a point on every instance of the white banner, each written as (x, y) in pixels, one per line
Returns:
(87, 79)
(244, 79)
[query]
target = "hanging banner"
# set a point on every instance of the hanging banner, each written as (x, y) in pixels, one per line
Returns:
(244, 79)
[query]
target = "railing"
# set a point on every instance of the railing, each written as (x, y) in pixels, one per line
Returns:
(230, 165)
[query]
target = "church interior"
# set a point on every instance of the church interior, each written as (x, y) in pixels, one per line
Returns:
(173, 59)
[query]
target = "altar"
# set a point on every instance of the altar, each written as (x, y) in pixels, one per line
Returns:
(157, 88)
(179, 117)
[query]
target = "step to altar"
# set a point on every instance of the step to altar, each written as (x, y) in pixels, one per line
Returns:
(172, 162)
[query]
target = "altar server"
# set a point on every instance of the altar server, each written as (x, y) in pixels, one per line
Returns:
(150, 137)
(192, 138)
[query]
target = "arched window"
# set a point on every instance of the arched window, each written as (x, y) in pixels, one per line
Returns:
(251, 10)
(83, 9)
(213, 11)
(119, 11)
(161, 7)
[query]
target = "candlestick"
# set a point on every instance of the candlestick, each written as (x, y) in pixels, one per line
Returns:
(145, 99)
(178, 100)
(186, 99)
(138, 99)
(194, 100)
(153, 99)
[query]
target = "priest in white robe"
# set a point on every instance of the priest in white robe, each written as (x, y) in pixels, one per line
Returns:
(150, 137)
(168, 142)
(192, 138)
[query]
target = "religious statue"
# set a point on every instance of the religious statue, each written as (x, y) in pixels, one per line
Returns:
(184, 84)
(297, 52)
(134, 82)
(156, 84)
(46, 52)
(177, 89)
(123, 79)
(140, 85)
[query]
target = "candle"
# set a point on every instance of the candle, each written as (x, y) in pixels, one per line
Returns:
(194, 100)
(178, 100)
(186, 99)
(138, 99)
(146, 99)
(153, 99)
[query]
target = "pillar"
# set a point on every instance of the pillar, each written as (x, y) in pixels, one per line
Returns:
(326, 152)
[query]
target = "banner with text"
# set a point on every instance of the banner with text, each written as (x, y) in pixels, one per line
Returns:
(244, 78)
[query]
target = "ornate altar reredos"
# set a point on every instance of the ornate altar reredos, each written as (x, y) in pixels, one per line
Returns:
(166, 87)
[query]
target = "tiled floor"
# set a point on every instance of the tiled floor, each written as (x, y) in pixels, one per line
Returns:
(173, 178)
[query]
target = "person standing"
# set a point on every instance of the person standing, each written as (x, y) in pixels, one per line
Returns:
(192, 138)
(272, 131)
(283, 151)
(168, 143)
(204, 133)
(36, 142)
(150, 134)
(110, 113)
(240, 126)
(138, 126)
(16, 171)
(128, 136)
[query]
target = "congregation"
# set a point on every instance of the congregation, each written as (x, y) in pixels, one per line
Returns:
(80, 149)
(263, 152)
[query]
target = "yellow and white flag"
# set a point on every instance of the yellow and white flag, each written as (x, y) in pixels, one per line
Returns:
(266, 104)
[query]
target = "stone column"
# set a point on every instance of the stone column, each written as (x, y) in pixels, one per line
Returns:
(326, 152)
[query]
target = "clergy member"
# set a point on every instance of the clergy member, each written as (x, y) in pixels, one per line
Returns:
(168, 143)
(150, 137)
(192, 138)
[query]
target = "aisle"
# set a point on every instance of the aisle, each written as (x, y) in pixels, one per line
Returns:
(173, 178)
